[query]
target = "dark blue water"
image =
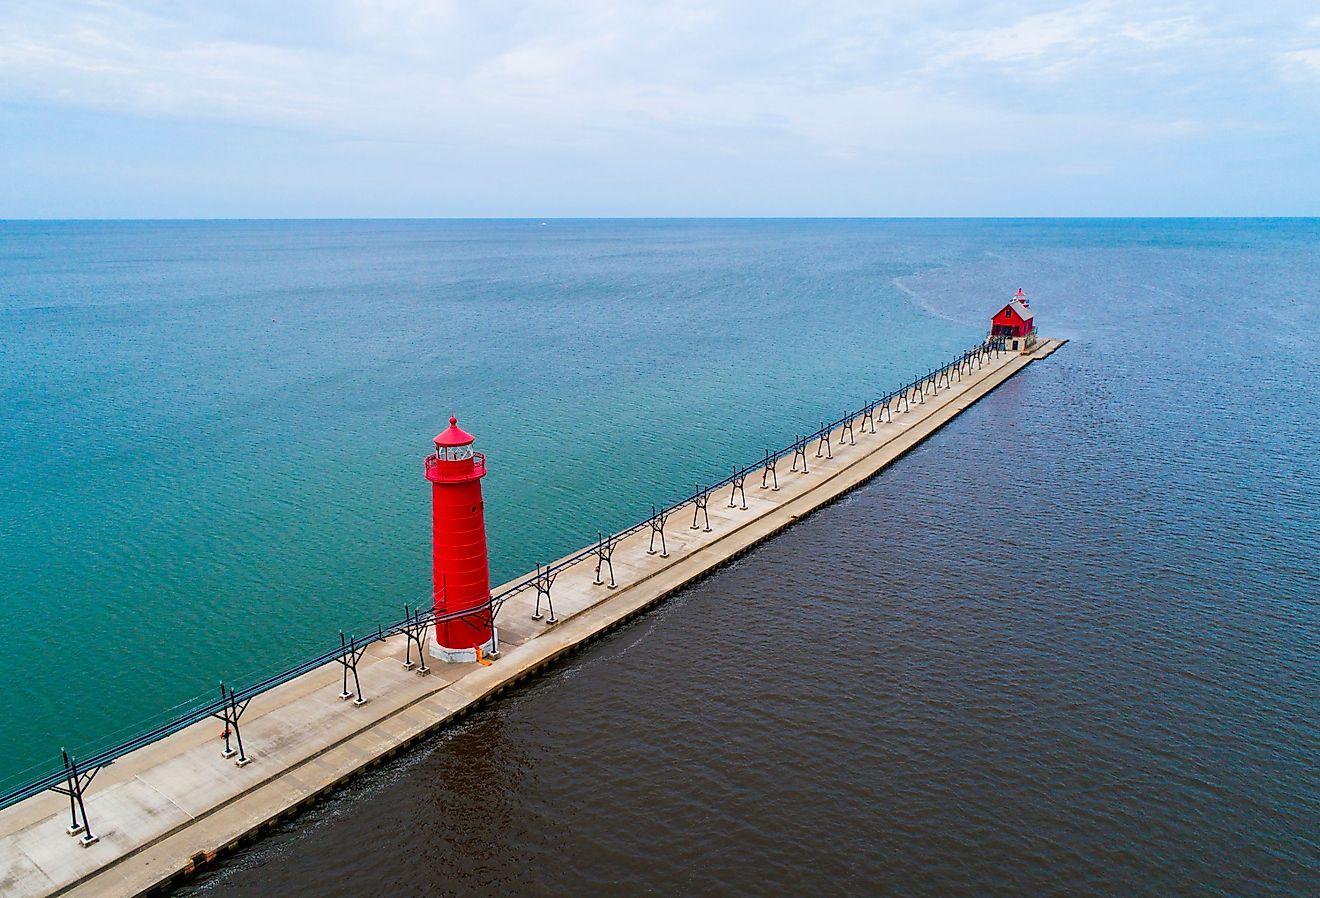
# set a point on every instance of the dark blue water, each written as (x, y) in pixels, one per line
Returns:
(1066, 647)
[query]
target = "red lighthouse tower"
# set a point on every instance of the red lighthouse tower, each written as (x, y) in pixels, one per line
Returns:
(462, 572)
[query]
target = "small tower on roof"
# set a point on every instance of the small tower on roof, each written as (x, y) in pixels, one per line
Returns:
(1015, 323)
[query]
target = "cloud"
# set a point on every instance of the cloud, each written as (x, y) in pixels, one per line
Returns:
(1301, 65)
(1089, 39)
(1049, 42)
(413, 69)
(832, 85)
(118, 58)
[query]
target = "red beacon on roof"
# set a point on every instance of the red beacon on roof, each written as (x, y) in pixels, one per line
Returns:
(1015, 324)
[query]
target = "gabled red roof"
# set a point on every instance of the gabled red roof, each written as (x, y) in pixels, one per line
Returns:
(454, 436)
(1018, 309)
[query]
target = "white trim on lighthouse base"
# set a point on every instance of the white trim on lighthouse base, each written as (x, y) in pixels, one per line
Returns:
(490, 649)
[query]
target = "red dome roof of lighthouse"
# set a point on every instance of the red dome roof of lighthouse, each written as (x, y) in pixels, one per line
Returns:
(454, 435)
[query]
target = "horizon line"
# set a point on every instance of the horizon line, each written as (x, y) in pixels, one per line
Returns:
(548, 218)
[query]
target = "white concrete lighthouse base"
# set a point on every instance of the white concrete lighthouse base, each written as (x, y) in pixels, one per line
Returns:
(489, 649)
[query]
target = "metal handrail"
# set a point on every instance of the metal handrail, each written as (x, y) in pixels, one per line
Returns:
(211, 709)
(432, 464)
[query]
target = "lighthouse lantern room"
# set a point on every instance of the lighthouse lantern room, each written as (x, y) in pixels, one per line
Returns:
(1015, 323)
(464, 628)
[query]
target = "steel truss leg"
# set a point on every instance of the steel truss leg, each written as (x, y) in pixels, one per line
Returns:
(77, 783)
(800, 451)
(543, 583)
(739, 478)
(231, 709)
(824, 444)
(658, 528)
(415, 631)
(604, 552)
(769, 471)
(236, 709)
(847, 426)
(349, 657)
(700, 502)
(479, 624)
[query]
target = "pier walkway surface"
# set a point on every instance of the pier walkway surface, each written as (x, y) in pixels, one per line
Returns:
(162, 811)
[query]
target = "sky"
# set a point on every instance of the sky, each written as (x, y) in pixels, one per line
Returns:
(409, 108)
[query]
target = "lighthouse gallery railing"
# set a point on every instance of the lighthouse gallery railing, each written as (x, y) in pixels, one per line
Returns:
(74, 776)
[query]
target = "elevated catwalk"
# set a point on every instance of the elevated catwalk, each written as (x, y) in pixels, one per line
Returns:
(164, 810)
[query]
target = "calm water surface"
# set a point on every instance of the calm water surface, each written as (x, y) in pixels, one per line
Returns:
(214, 431)
(1066, 647)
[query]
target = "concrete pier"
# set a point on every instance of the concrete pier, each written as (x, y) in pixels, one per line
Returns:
(166, 809)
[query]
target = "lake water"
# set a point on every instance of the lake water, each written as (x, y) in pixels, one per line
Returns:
(1068, 646)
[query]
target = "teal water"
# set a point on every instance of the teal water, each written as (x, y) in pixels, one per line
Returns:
(213, 431)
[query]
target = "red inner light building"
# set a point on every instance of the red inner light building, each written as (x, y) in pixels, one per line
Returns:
(1016, 322)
